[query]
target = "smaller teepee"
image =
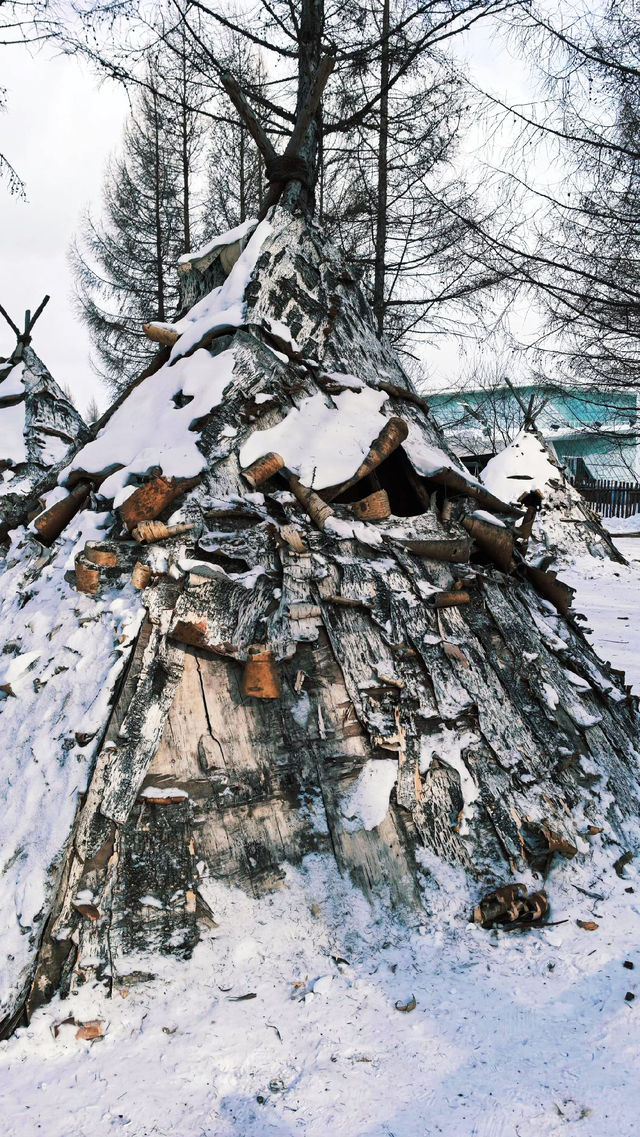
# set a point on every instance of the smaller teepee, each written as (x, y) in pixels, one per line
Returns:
(561, 523)
(39, 426)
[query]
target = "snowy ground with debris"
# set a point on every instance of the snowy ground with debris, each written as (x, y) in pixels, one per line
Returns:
(288, 1020)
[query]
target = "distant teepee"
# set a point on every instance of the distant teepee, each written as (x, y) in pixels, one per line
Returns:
(39, 426)
(527, 473)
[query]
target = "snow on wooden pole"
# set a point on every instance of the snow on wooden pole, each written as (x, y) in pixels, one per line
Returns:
(159, 334)
(391, 436)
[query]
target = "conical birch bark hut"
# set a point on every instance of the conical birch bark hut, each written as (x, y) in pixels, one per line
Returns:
(39, 429)
(282, 677)
(560, 522)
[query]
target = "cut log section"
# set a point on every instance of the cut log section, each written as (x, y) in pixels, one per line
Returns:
(375, 507)
(148, 531)
(547, 584)
(50, 524)
(150, 499)
(495, 540)
(141, 575)
(263, 468)
(158, 334)
(101, 553)
(87, 576)
(451, 599)
(311, 502)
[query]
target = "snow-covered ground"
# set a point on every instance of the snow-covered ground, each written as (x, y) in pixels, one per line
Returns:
(287, 1021)
(609, 596)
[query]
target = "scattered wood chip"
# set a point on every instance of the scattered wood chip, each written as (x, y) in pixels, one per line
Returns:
(622, 862)
(406, 1007)
(588, 925)
(90, 1030)
(298, 685)
(242, 998)
(511, 905)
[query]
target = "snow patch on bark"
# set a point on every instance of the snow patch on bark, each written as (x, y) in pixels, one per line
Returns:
(149, 430)
(322, 441)
(367, 803)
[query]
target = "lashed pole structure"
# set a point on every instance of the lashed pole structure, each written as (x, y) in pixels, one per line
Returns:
(24, 337)
(290, 166)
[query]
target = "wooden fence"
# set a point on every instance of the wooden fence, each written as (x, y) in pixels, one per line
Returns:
(610, 498)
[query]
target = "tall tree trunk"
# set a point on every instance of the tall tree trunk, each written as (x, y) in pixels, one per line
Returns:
(158, 211)
(242, 176)
(186, 204)
(310, 50)
(381, 218)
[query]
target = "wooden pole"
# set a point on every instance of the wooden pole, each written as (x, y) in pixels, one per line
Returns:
(10, 322)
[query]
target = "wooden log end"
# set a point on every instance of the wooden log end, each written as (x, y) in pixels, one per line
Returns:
(50, 524)
(260, 679)
(166, 336)
(451, 599)
(100, 553)
(374, 507)
(149, 500)
(141, 575)
(87, 576)
(263, 468)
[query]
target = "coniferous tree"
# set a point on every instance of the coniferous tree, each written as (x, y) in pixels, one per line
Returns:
(124, 264)
(390, 194)
(235, 178)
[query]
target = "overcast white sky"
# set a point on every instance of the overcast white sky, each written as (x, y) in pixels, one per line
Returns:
(58, 130)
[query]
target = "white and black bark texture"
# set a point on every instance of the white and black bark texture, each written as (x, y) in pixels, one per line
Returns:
(39, 430)
(508, 736)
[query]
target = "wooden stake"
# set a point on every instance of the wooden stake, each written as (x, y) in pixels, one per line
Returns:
(451, 599)
(149, 500)
(51, 523)
(263, 468)
(317, 509)
(391, 436)
(494, 540)
(166, 336)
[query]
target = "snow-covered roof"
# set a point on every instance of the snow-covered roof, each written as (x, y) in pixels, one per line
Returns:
(519, 468)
